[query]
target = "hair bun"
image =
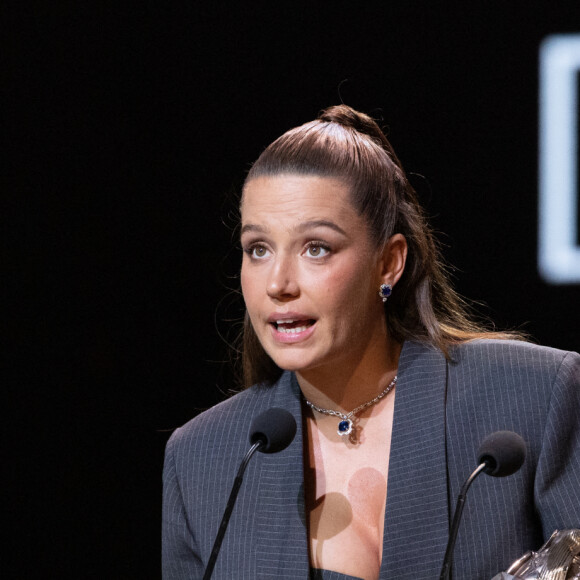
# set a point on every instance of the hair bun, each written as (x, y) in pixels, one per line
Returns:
(350, 118)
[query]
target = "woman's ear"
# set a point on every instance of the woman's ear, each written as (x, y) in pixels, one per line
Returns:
(394, 256)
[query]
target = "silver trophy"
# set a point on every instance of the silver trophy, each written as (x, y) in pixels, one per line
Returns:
(557, 559)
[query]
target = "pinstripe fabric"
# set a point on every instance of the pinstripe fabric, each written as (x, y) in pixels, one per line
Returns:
(490, 385)
(416, 516)
(535, 392)
(267, 536)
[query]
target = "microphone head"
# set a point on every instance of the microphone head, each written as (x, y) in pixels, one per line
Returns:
(275, 427)
(503, 452)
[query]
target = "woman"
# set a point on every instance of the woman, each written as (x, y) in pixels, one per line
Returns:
(353, 327)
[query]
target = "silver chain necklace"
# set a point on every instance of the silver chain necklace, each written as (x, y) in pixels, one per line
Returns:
(345, 426)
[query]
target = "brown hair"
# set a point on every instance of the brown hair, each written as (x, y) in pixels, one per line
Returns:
(345, 144)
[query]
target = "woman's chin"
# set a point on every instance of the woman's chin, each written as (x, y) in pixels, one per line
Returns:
(290, 365)
(290, 361)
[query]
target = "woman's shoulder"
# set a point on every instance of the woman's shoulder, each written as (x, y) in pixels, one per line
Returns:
(228, 421)
(511, 348)
(516, 355)
(510, 384)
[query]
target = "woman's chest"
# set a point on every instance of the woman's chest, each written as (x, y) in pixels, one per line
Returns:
(345, 499)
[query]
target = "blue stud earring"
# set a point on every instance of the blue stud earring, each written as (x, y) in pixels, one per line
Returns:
(385, 291)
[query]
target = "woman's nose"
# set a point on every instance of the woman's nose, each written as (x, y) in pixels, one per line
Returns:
(282, 283)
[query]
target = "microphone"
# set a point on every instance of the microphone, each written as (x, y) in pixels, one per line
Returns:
(271, 431)
(274, 429)
(503, 453)
(500, 454)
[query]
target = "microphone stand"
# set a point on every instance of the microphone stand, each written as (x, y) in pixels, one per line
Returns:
(448, 560)
(229, 508)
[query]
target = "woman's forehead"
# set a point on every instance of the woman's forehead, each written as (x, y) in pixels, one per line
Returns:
(293, 191)
(298, 203)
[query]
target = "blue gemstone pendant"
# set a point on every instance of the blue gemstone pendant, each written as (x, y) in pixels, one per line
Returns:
(345, 427)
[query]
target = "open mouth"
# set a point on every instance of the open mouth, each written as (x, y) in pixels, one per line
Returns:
(292, 326)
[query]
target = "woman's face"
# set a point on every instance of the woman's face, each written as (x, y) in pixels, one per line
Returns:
(310, 272)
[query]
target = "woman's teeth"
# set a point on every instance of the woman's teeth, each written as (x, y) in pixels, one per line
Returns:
(286, 326)
(292, 330)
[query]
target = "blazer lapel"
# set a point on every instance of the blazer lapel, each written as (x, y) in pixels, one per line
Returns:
(417, 511)
(282, 548)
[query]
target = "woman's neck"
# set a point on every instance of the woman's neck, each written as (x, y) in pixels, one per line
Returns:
(353, 381)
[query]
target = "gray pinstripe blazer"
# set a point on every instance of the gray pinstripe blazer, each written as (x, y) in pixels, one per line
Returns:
(442, 412)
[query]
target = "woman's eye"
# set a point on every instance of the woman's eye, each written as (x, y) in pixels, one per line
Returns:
(317, 251)
(257, 252)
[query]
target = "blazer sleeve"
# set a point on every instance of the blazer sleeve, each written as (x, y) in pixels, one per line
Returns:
(557, 482)
(180, 557)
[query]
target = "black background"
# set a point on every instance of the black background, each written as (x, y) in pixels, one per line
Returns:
(127, 128)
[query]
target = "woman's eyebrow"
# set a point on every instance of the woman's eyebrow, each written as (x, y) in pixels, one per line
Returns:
(311, 224)
(320, 223)
(254, 228)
